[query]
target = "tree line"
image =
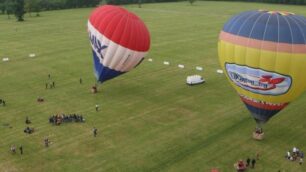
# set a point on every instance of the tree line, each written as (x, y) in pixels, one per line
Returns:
(298, 2)
(292, 2)
(20, 7)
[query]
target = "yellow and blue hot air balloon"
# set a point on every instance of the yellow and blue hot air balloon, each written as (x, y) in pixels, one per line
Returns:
(264, 56)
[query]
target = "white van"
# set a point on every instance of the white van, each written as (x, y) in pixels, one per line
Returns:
(195, 79)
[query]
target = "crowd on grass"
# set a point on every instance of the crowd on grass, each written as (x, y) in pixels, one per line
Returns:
(295, 155)
(55, 120)
(59, 119)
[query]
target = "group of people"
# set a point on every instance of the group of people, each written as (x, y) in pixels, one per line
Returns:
(258, 130)
(2, 102)
(241, 165)
(13, 149)
(28, 130)
(258, 133)
(55, 119)
(47, 142)
(295, 155)
(94, 89)
(50, 84)
(40, 99)
(58, 119)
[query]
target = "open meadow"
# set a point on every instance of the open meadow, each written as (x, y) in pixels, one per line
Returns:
(149, 119)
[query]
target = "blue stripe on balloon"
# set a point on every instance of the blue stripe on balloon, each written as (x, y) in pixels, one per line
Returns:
(300, 32)
(103, 73)
(268, 27)
(285, 34)
(262, 115)
(271, 31)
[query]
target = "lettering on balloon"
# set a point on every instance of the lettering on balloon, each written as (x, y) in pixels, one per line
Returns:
(96, 44)
(258, 80)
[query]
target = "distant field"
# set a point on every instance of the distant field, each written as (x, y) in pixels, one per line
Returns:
(150, 120)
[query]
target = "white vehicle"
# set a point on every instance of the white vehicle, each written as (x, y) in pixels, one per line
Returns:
(195, 79)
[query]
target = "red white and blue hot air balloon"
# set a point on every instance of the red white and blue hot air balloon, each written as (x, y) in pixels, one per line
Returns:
(119, 41)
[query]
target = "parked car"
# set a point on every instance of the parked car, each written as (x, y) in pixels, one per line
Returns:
(195, 79)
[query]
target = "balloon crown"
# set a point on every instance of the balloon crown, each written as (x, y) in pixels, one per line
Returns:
(283, 13)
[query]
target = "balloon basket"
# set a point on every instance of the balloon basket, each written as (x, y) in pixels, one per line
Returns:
(94, 89)
(258, 136)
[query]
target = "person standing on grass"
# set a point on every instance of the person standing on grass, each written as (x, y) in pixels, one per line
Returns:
(97, 108)
(27, 121)
(301, 161)
(46, 140)
(288, 155)
(53, 84)
(49, 76)
(257, 156)
(81, 81)
(13, 149)
(21, 149)
(253, 163)
(248, 162)
(95, 131)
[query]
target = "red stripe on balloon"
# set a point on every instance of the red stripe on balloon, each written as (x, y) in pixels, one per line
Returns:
(264, 45)
(261, 105)
(121, 27)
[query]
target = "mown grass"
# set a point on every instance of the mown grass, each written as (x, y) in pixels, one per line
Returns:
(150, 120)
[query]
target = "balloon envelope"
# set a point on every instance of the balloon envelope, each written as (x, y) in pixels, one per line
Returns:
(119, 41)
(263, 54)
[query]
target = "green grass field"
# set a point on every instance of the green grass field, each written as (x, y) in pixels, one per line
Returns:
(150, 120)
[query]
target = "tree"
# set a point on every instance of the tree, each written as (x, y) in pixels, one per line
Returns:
(103, 2)
(19, 9)
(9, 8)
(139, 3)
(29, 6)
(37, 7)
(2, 7)
(191, 1)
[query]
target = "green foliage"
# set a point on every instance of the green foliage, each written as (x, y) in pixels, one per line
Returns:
(37, 7)
(294, 2)
(64, 4)
(29, 6)
(19, 9)
(33, 6)
(118, 2)
(9, 7)
(2, 7)
(139, 3)
(191, 1)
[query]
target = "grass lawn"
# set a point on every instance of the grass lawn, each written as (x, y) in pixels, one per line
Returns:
(150, 120)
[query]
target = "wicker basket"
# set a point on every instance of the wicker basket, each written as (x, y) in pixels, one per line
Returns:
(258, 136)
